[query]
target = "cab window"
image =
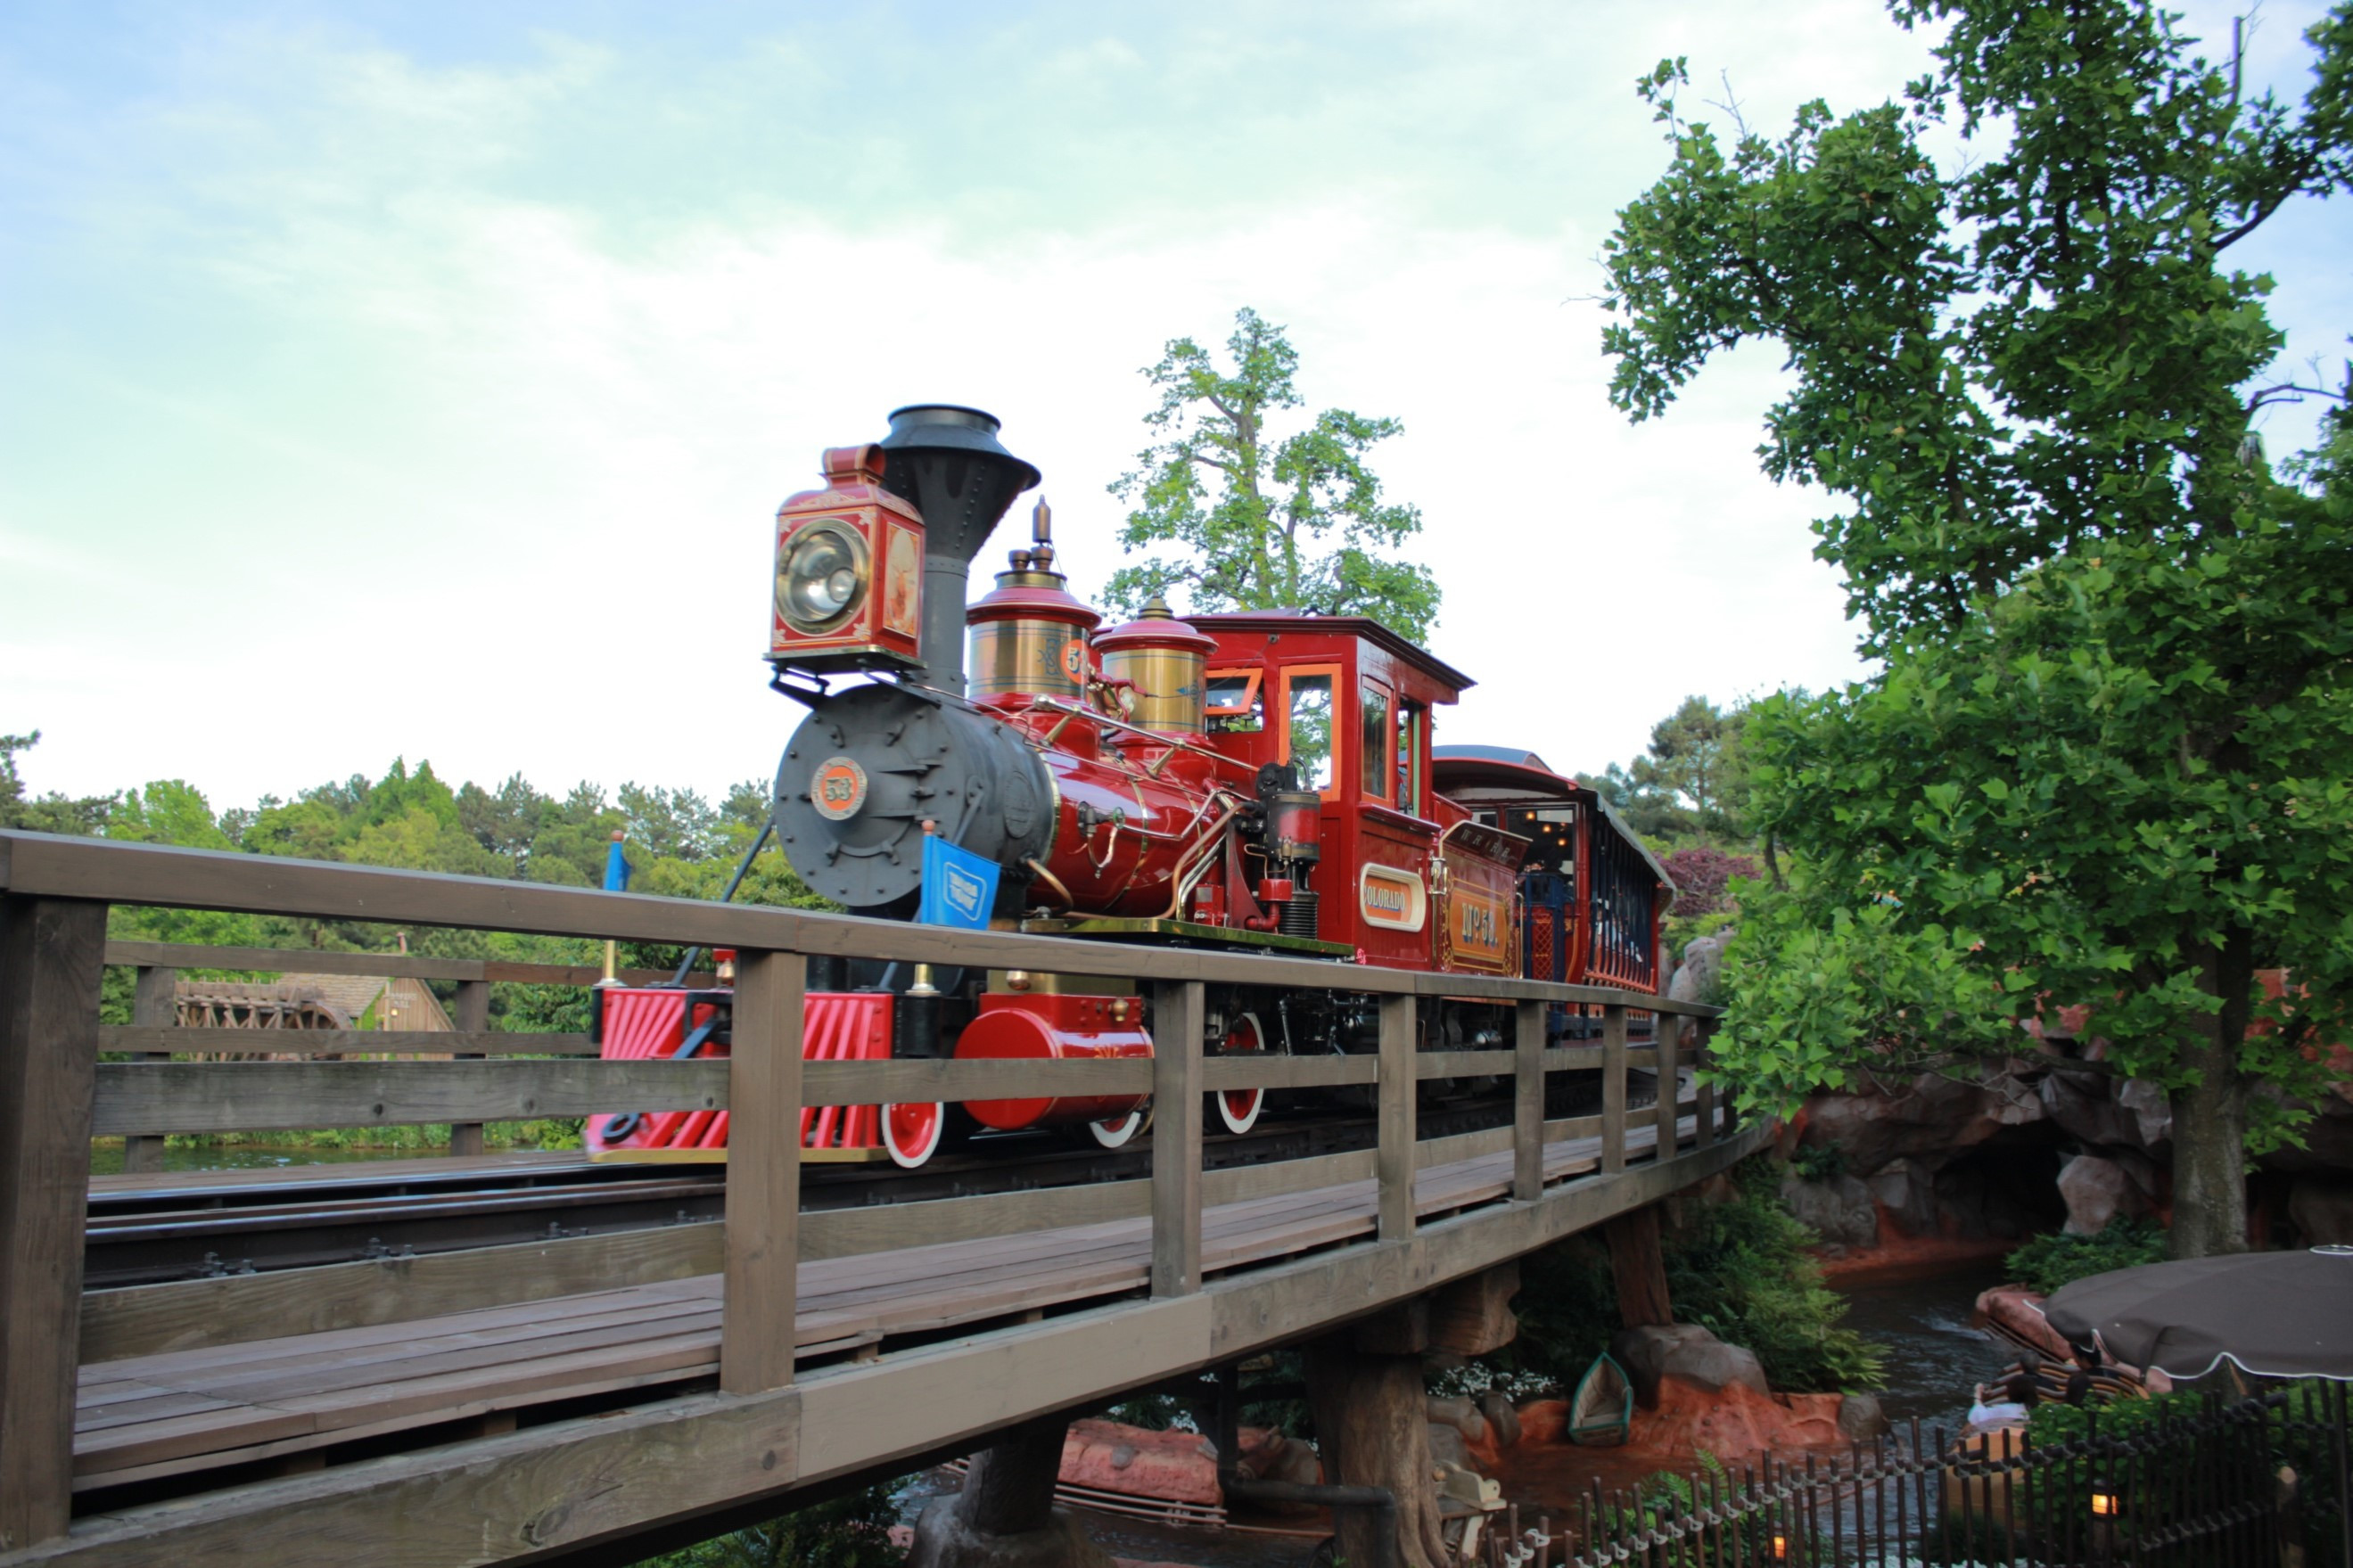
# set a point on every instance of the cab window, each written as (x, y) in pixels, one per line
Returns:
(1413, 719)
(1375, 738)
(1309, 739)
(1234, 705)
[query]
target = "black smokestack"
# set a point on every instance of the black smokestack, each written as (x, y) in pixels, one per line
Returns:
(947, 461)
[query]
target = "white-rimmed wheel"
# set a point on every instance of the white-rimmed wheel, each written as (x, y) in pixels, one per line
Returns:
(1119, 1132)
(1237, 1109)
(911, 1132)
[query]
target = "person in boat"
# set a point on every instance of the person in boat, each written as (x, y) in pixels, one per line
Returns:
(2085, 1362)
(2014, 1397)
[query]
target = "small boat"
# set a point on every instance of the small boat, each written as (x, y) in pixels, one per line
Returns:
(1603, 1406)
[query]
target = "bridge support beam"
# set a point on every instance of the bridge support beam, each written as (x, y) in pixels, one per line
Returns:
(1005, 1517)
(1372, 1430)
(1639, 1269)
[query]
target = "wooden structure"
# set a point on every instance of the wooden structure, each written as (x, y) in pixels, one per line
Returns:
(586, 1394)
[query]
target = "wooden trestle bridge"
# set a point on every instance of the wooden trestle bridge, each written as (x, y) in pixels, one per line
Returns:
(589, 1396)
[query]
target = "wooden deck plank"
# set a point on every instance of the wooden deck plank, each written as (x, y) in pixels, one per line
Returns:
(179, 1411)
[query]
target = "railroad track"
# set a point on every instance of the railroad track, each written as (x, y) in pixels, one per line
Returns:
(151, 1234)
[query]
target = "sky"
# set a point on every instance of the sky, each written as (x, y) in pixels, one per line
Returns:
(421, 380)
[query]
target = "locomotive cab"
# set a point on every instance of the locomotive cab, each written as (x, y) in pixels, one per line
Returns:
(1406, 878)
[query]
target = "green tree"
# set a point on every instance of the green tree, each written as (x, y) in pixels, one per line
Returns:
(2107, 758)
(1262, 522)
(52, 813)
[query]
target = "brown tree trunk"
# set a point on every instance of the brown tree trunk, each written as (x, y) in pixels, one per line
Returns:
(1372, 1430)
(2209, 1115)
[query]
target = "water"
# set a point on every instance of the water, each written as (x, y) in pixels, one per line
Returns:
(1934, 1357)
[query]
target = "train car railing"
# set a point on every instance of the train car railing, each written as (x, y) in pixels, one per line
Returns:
(56, 1095)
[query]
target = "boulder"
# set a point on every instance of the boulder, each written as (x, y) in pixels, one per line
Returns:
(2097, 1192)
(1543, 1420)
(2322, 1211)
(1905, 1192)
(1700, 977)
(1109, 1456)
(1450, 1409)
(1927, 1116)
(2152, 1112)
(1861, 1419)
(1502, 1419)
(2082, 1105)
(1683, 1351)
(1840, 1210)
(1732, 1422)
(1446, 1446)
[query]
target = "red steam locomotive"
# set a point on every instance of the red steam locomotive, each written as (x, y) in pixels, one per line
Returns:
(1263, 781)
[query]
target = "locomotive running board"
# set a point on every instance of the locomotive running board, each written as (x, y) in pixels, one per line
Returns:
(1188, 931)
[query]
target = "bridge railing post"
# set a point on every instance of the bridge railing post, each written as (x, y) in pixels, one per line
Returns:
(1528, 1102)
(1613, 1088)
(1398, 1086)
(1702, 1033)
(473, 1018)
(1178, 1013)
(1669, 1032)
(764, 1174)
(52, 953)
(154, 1004)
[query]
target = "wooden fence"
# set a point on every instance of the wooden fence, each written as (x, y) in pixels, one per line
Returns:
(2261, 1482)
(55, 1095)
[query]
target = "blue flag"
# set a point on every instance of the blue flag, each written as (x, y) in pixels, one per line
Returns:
(617, 870)
(959, 887)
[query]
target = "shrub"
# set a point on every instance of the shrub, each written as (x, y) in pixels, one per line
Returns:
(1739, 1268)
(2048, 1262)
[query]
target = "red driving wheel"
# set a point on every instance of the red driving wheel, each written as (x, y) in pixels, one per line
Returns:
(1238, 1109)
(911, 1132)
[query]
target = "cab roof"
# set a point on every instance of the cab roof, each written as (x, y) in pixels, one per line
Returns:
(1274, 621)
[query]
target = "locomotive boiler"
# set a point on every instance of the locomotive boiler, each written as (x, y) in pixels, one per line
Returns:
(1263, 781)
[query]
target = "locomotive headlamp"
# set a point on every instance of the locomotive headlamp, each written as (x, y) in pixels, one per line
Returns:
(822, 577)
(850, 577)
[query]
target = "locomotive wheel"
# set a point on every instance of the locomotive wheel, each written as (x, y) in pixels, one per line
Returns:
(1237, 1109)
(1119, 1132)
(911, 1132)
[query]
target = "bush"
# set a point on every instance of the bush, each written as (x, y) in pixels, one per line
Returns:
(2050, 1261)
(1742, 1270)
(1739, 1268)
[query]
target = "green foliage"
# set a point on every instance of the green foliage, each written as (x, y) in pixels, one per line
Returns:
(1665, 1497)
(848, 1532)
(1692, 783)
(542, 1132)
(1740, 1268)
(1821, 991)
(1819, 1162)
(52, 813)
(1253, 518)
(2106, 756)
(2048, 1262)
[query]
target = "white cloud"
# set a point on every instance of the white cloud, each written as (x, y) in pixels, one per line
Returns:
(440, 409)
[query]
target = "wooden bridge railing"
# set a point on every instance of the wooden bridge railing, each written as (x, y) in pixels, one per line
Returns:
(153, 1033)
(55, 1095)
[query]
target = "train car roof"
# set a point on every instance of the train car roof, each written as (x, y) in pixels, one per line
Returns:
(1364, 627)
(1512, 775)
